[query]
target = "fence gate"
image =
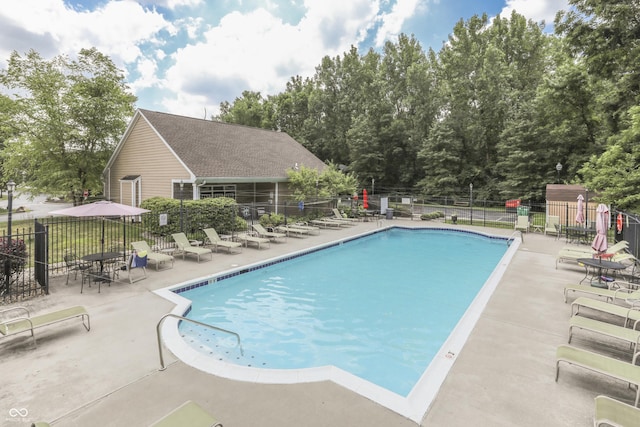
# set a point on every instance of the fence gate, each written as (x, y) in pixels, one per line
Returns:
(41, 256)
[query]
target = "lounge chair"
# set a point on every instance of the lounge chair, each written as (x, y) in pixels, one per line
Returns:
(603, 328)
(248, 238)
(215, 240)
(609, 366)
(612, 412)
(184, 246)
(288, 229)
(312, 229)
(188, 414)
(326, 223)
(522, 223)
(156, 258)
(573, 253)
(263, 232)
(628, 313)
(552, 226)
(338, 215)
(617, 290)
(137, 260)
(25, 322)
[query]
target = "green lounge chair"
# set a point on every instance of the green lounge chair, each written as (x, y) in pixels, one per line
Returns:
(612, 412)
(620, 293)
(215, 240)
(609, 366)
(248, 238)
(288, 229)
(185, 247)
(263, 232)
(156, 258)
(25, 322)
(628, 313)
(188, 414)
(338, 215)
(614, 331)
(573, 253)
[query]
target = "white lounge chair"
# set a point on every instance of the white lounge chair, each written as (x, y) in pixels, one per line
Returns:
(184, 246)
(288, 229)
(617, 290)
(628, 313)
(215, 240)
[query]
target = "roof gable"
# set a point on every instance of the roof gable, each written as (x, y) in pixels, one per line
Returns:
(221, 150)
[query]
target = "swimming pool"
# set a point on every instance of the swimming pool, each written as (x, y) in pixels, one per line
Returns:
(372, 316)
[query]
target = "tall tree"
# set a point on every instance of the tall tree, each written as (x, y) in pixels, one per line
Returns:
(69, 116)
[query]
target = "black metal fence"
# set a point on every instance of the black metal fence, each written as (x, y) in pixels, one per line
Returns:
(24, 268)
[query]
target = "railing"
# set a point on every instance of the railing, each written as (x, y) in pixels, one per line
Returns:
(182, 318)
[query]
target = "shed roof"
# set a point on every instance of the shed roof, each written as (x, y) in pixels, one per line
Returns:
(213, 149)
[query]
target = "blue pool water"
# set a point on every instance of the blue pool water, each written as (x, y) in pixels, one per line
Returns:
(379, 307)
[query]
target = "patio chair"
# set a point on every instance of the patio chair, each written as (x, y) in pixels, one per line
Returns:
(137, 260)
(75, 265)
(156, 258)
(552, 225)
(601, 364)
(215, 240)
(522, 223)
(617, 290)
(612, 412)
(184, 246)
(631, 336)
(263, 232)
(22, 321)
(188, 414)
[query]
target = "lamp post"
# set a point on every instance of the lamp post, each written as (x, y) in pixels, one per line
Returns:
(373, 186)
(10, 187)
(9, 246)
(471, 201)
(558, 169)
(181, 203)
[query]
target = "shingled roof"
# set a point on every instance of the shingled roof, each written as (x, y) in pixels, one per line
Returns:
(213, 149)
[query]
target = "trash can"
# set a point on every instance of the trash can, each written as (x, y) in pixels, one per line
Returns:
(523, 210)
(389, 213)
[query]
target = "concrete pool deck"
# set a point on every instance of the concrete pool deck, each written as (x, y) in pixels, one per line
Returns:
(109, 376)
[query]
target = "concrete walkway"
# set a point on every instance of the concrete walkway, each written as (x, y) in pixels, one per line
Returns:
(109, 376)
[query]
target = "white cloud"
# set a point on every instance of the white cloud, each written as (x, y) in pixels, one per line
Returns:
(537, 10)
(257, 51)
(392, 22)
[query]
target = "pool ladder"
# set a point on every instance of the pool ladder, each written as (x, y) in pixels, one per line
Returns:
(513, 237)
(206, 325)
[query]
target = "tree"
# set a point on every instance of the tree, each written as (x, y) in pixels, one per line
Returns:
(307, 183)
(248, 110)
(68, 117)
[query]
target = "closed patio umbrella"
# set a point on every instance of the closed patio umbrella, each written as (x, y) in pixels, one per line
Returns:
(365, 199)
(602, 224)
(580, 214)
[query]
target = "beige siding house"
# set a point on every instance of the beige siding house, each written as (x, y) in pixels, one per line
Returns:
(161, 152)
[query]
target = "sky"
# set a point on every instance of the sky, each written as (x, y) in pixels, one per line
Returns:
(187, 56)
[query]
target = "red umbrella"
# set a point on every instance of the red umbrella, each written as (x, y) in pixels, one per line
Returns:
(365, 199)
(602, 224)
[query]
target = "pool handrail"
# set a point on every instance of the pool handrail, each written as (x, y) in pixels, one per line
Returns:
(206, 325)
(513, 237)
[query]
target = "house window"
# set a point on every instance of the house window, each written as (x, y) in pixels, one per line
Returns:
(207, 191)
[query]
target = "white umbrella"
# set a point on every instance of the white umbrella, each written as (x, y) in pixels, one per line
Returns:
(602, 224)
(580, 214)
(101, 209)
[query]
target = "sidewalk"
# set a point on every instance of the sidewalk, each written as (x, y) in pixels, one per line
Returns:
(109, 376)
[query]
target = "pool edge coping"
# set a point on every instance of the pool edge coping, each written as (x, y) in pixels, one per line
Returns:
(414, 406)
